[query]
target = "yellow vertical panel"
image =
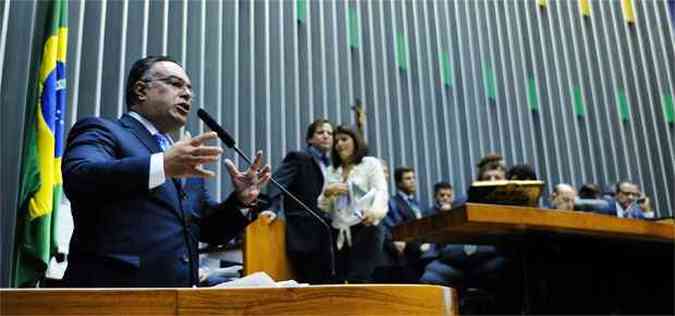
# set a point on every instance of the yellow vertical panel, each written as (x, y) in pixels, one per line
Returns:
(628, 10)
(542, 3)
(585, 7)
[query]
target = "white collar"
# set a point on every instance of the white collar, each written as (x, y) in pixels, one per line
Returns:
(147, 124)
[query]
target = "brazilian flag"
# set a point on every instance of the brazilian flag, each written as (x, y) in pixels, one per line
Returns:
(40, 188)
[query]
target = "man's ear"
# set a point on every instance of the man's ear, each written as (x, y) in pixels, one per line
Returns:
(139, 89)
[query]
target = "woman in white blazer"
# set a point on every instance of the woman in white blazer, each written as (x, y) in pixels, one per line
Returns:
(355, 194)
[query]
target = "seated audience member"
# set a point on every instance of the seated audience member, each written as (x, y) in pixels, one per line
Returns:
(353, 175)
(563, 197)
(444, 195)
(469, 266)
(403, 262)
(589, 191)
(628, 202)
(463, 267)
(590, 199)
(521, 172)
(491, 168)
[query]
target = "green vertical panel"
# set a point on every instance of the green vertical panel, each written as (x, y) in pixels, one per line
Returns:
(489, 81)
(353, 27)
(302, 10)
(401, 51)
(579, 107)
(446, 69)
(624, 108)
(532, 100)
(669, 108)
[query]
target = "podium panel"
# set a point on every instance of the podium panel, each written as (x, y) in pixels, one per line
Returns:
(324, 300)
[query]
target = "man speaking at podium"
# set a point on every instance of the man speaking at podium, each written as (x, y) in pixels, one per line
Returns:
(138, 197)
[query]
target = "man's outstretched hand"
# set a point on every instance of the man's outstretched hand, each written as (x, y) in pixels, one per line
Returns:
(185, 158)
(247, 184)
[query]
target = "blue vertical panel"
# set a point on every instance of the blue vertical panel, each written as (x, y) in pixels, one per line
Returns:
(330, 56)
(175, 27)
(155, 27)
(439, 150)
(305, 85)
(317, 75)
(420, 105)
(523, 67)
(209, 100)
(512, 145)
(444, 93)
(246, 89)
(580, 65)
(488, 63)
(599, 47)
(294, 138)
(399, 155)
(475, 105)
(561, 101)
(111, 61)
(470, 133)
(89, 60)
(193, 59)
(624, 63)
(345, 88)
(259, 114)
(275, 63)
(370, 92)
(642, 65)
(570, 91)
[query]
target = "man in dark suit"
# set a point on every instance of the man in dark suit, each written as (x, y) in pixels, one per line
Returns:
(628, 202)
(403, 262)
(302, 172)
(138, 198)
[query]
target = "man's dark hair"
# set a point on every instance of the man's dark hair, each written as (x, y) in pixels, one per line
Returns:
(311, 129)
(521, 172)
(399, 172)
(490, 161)
(440, 186)
(589, 191)
(617, 187)
(360, 147)
(138, 71)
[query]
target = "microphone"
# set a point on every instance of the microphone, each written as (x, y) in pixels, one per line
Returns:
(225, 137)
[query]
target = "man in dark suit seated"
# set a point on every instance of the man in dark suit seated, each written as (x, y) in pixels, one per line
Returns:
(302, 172)
(138, 198)
(403, 262)
(628, 202)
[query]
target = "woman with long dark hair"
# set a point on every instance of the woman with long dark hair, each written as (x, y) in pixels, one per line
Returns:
(355, 195)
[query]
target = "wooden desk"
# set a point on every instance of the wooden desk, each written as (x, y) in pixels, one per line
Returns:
(313, 300)
(482, 223)
(601, 263)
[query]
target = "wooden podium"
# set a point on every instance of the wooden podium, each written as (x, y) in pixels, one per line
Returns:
(312, 300)
(570, 262)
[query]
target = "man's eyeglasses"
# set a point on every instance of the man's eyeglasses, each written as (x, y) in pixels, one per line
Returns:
(631, 194)
(173, 81)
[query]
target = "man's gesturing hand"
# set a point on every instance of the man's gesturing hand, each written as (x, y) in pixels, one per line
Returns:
(248, 184)
(184, 158)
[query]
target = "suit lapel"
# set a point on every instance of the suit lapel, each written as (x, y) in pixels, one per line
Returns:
(169, 191)
(140, 132)
(406, 210)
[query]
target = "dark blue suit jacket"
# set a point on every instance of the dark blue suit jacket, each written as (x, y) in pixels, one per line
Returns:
(632, 212)
(126, 235)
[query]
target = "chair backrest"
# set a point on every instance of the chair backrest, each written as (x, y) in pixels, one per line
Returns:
(265, 249)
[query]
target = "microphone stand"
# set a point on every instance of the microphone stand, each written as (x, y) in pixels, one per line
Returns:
(303, 205)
